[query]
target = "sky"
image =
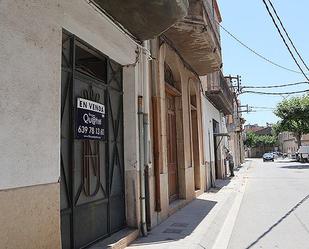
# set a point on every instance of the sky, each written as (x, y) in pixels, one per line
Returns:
(249, 21)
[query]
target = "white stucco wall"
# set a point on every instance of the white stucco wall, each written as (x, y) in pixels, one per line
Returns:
(223, 129)
(30, 69)
(233, 146)
(209, 113)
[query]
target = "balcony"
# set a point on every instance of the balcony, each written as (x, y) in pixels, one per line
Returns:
(143, 18)
(236, 125)
(197, 37)
(220, 92)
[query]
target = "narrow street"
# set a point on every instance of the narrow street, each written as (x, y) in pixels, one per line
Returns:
(144, 124)
(203, 222)
(265, 206)
(274, 210)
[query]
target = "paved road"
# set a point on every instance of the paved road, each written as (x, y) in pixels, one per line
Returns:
(197, 225)
(274, 212)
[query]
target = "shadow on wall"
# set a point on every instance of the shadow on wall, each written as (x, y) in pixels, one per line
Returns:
(179, 225)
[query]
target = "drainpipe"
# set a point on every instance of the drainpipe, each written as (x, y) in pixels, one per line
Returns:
(143, 109)
(141, 164)
(212, 182)
(146, 169)
(156, 124)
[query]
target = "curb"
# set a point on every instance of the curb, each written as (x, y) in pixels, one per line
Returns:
(223, 238)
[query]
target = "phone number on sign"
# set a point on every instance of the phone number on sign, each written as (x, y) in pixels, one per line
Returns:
(90, 130)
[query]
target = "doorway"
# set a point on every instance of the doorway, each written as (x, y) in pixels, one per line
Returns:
(171, 138)
(216, 130)
(195, 140)
(92, 196)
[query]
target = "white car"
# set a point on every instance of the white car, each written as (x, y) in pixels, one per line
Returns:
(303, 153)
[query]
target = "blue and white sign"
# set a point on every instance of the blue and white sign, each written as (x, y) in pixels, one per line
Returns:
(90, 120)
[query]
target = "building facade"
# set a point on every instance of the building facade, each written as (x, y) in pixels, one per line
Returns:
(111, 122)
(214, 144)
(218, 98)
(260, 150)
(70, 152)
(235, 128)
(183, 54)
(288, 143)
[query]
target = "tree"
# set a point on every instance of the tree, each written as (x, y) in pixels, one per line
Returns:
(254, 140)
(294, 116)
(250, 139)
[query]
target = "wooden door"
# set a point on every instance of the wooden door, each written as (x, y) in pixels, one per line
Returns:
(195, 148)
(171, 147)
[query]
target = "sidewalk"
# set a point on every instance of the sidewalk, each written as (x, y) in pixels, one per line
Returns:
(206, 222)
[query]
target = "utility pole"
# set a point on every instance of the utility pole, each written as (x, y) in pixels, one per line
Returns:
(236, 83)
(247, 108)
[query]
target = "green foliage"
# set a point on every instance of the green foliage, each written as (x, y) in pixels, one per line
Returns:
(254, 140)
(267, 140)
(294, 116)
(250, 139)
(296, 108)
(276, 129)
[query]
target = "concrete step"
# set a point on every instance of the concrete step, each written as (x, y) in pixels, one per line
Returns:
(118, 240)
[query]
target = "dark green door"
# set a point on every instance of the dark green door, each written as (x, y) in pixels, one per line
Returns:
(92, 170)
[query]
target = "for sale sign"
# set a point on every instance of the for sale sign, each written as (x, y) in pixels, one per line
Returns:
(90, 120)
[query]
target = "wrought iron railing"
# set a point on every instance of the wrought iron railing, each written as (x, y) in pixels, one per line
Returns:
(226, 87)
(217, 83)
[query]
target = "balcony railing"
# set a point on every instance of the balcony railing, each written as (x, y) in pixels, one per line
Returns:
(219, 83)
(226, 87)
(220, 92)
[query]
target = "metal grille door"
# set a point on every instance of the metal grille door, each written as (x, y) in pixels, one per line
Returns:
(92, 171)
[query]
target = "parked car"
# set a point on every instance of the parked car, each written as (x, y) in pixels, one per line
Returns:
(303, 153)
(268, 157)
(276, 154)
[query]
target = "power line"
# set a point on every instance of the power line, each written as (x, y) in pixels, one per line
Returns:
(261, 111)
(278, 86)
(283, 39)
(262, 107)
(256, 53)
(300, 57)
(272, 93)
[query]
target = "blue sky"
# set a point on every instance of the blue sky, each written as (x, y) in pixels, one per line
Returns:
(248, 20)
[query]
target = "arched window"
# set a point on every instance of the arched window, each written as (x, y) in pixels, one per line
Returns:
(168, 75)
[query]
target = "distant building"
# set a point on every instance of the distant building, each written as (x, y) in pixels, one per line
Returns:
(264, 131)
(253, 128)
(288, 142)
(258, 151)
